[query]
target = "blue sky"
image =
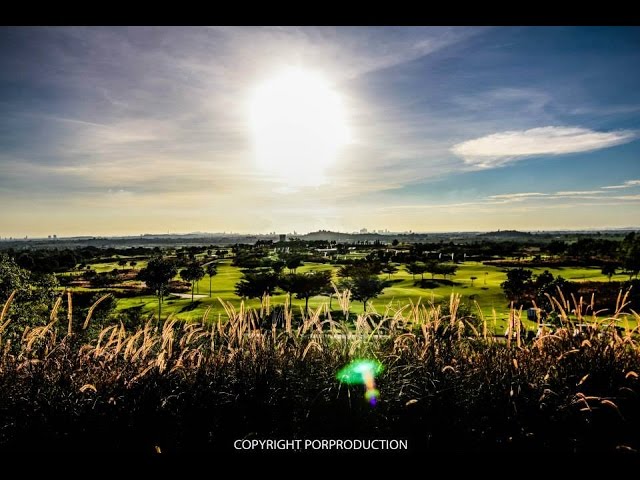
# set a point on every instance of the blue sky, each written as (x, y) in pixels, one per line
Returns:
(131, 130)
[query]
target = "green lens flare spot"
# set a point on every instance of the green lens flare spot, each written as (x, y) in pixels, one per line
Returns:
(357, 372)
(373, 393)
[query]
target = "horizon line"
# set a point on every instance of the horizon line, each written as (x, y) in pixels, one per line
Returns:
(388, 233)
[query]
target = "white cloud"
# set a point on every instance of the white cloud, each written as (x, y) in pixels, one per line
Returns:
(627, 184)
(572, 193)
(519, 195)
(626, 197)
(504, 147)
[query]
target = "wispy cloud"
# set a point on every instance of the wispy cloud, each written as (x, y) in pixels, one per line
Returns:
(627, 184)
(527, 201)
(573, 193)
(528, 100)
(346, 52)
(519, 195)
(501, 148)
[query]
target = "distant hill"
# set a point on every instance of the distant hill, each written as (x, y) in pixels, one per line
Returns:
(327, 235)
(506, 234)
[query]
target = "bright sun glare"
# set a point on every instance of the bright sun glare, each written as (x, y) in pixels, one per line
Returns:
(298, 126)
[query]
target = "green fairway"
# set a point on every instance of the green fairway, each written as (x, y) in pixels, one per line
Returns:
(485, 290)
(109, 266)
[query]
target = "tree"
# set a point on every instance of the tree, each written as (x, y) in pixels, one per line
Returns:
(433, 268)
(359, 268)
(548, 285)
(293, 263)
(415, 268)
(362, 279)
(193, 273)
(212, 270)
(389, 269)
(122, 263)
(310, 284)
(157, 274)
(631, 254)
(278, 266)
(328, 291)
(609, 269)
(518, 282)
(288, 284)
(104, 279)
(34, 294)
(543, 279)
(395, 242)
(12, 277)
(133, 264)
(411, 269)
(257, 284)
(447, 269)
(473, 279)
(365, 287)
(556, 247)
(25, 260)
(306, 285)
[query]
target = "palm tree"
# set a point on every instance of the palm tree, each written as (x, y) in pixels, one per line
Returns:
(157, 275)
(212, 269)
(193, 273)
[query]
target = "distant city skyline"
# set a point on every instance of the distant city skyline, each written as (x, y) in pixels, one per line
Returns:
(112, 131)
(288, 235)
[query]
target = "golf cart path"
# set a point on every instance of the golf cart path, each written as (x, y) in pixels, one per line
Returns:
(187, 295)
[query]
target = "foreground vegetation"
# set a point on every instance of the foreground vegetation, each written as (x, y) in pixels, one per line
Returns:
(78, 382)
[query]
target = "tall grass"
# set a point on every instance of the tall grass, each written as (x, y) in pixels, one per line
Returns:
(170, 385)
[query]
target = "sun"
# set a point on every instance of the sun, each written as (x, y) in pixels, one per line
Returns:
(298, 126)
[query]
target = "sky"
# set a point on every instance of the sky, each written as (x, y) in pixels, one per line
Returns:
(130, 130)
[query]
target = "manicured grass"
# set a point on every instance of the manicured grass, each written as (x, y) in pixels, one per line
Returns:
(486, 291)
(109, 266)
(577, 274)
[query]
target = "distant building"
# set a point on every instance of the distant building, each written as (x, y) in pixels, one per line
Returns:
(326, 251)
(363, 230)
(283, 237)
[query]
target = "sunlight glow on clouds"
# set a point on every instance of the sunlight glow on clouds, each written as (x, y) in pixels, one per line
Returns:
(501, 148)
(298, 125)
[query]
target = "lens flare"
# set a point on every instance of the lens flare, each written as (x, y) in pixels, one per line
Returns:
(362, 372)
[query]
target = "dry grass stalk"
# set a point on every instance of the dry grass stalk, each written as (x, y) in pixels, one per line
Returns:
(5, 310)
(69, 313)
(93, 307)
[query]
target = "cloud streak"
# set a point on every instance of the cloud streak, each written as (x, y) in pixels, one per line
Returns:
(506, 147)
(627, 184)
(510, 196)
